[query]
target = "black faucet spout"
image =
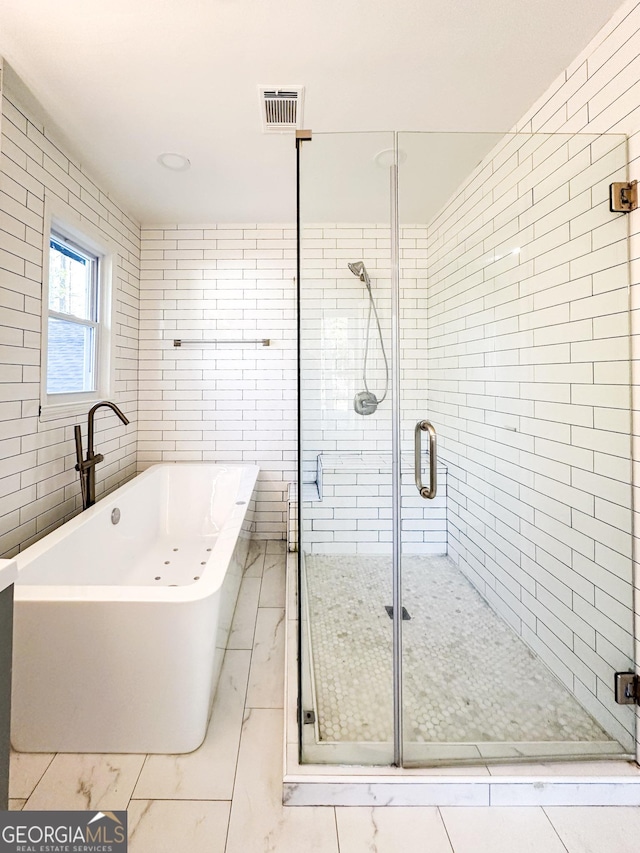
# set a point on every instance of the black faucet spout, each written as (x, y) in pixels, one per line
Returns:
(87, 467)
(92, 412)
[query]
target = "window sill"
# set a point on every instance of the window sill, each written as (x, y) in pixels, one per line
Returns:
(57, 411)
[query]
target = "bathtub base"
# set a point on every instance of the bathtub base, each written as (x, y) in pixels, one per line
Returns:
(133, 673)
(158, 701)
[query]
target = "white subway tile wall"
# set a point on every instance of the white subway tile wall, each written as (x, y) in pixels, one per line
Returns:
(533, 411)
(353, 451)
(353, 512)
(221, 402)
(39, 487)
(598, 93)
(334, 317)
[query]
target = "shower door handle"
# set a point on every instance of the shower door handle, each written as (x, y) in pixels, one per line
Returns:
(426, 426)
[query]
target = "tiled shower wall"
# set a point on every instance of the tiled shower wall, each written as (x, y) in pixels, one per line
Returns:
(528, 284)
(335, 308)
(38, 484)
(221, 402)
(354, 515)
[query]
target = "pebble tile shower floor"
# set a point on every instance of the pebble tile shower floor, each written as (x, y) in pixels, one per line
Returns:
(468, 678)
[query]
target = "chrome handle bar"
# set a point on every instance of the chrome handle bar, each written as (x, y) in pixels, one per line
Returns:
(426, 426)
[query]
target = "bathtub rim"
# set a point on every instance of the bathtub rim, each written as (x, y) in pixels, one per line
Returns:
(200, 589)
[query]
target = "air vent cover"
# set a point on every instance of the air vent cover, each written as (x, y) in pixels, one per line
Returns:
(281, 109)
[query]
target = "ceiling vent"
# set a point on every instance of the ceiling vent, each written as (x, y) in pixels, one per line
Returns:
(281, 109)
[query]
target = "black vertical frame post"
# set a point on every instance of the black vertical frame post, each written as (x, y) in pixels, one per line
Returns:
(301, 136)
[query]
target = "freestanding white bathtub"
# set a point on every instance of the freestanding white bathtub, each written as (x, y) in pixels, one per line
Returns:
(122, 615)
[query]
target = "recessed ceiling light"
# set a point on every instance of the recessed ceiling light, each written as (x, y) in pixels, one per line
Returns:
(175, 162)
(386, 158)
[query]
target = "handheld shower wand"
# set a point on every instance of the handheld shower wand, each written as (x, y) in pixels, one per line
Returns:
(360, 271)
(365, 402)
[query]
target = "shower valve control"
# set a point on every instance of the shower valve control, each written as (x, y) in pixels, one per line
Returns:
(365, 403)
(627, 688)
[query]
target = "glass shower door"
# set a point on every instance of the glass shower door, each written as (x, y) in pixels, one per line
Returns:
(345, 510)
(514, 327)
(485, 292)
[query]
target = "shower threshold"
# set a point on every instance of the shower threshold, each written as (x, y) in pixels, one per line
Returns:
(589, 781)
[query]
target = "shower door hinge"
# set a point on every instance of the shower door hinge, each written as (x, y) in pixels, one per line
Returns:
(623, 197)
(627, 688)
(308, 717)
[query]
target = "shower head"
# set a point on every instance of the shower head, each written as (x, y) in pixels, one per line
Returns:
(358, 269)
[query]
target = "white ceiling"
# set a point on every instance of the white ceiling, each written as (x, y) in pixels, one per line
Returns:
(126, 80)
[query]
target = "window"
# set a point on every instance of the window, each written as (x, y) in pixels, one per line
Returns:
(76, 315)
(73, 317)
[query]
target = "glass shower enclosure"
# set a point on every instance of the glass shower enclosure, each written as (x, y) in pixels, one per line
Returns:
(464, 497)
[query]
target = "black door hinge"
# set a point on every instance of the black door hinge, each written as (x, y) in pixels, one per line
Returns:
(623, 197)
(627, 688)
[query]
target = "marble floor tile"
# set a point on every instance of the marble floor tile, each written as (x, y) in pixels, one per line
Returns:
(159, 826)
(74, 781)
(259, 822)
(567, 768)
(255, 558)
(501, 830)
(292, 587)
(266, 678)
(207, 773)
(579, 792)
(597, 830)
(272, 592)
(244, 618)
(26, 769)
(276, 546)
(391, 830)
(16, 805)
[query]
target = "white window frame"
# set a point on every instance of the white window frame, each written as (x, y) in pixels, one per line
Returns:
(60, 219)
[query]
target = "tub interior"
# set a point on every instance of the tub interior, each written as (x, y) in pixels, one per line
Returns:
(170, 519)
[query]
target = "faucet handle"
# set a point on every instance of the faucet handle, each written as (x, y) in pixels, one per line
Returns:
(90, 462)
(78, 437)
(79, 464)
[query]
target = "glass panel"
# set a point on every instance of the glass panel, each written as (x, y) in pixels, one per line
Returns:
(345, 517)
(70, 357)
(515, 345)
(71, 281)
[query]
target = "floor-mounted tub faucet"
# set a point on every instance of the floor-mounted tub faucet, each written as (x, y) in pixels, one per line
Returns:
(87, 467)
